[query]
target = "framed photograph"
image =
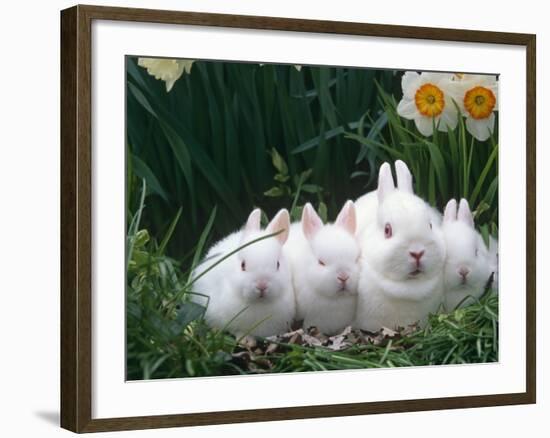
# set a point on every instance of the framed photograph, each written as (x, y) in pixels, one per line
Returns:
(304, 218)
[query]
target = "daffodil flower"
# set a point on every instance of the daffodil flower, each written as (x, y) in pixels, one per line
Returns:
(427, 101)
(168, 70)
(477, 97)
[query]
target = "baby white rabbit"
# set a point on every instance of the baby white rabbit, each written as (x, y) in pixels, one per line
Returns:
(493, 257)
(402, 254)
(251, 291)
(324, 263)
(468, 266)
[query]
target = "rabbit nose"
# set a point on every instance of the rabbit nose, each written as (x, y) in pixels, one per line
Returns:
(463, 272)
(417, 255)
(342, 277)
(262, 287)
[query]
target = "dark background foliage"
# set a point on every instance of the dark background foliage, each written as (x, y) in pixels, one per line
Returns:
(209, 141)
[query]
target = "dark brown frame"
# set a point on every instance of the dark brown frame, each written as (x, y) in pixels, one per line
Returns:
(76, 236)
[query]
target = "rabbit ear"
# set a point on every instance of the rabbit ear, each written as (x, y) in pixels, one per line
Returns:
(253, 222)
(404, 177)
(347, 218)
(464, 213)
(281, 221)
(311, 222)
(450, 211)
(385, 182)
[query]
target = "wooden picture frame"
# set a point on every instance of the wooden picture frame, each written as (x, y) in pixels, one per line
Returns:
(76, 217)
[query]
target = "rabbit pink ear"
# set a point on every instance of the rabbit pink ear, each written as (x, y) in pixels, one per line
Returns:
(311, 222)
(404, 177)
(385, 182)
(281, 221)
(347, 218)
(253, 222)
(450, 211)
(464, 213)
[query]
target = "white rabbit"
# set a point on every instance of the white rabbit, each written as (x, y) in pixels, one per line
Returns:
(402, 254)
(324, 263)
(493, 257)
(251, 291)
(468, 265)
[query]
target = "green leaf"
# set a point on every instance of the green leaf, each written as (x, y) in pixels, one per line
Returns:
(189, 312)
(202, 241)
(322, 211)
(373, 134)
(143, 171)
(274, 192)
(141, 238)
(311, 188)
(483, 175)
(169, 233)
(278, 162)
(281, 178)
(326, 135)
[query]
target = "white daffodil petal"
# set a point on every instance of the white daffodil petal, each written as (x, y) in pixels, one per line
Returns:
(454, 96)
(494, 89)
(407, 109)
(424, 125)
(485, 80)
(435, 78)
(168, 70)
(187, 65)
(410, 83)
(481, 129)
(449, 119)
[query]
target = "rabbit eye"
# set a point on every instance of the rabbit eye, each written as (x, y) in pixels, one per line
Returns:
(431, 227)
(278, 265)
(388, 231)
(322, 263)
(477, 251)
(243, 266)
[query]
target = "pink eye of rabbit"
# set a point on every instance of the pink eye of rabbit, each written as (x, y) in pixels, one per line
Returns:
(243, 266)
(387, 231)
(322, 263)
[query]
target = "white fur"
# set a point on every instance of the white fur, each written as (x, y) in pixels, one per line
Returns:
(493, 257)
(232, 290)
(466, 251)
(322, 300)
(391, 293)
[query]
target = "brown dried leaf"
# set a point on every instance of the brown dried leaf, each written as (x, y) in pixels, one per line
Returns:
(387, 332)
(312, 341)
(296, 338)
(248, 342)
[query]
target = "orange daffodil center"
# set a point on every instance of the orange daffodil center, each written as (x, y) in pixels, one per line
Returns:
(429, 100)
(479, 102)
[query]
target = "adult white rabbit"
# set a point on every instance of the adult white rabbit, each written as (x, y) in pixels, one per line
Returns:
(468, 265)
(402, 254)
(324, 263)
(250, 292)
